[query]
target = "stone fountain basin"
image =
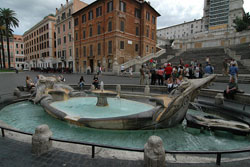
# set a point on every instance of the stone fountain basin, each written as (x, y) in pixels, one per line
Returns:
(133, 120)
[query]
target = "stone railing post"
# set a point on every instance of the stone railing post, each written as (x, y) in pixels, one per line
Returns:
(118, 89)
(219, 99)
(40, 140)
(154, 152)
(147, 90)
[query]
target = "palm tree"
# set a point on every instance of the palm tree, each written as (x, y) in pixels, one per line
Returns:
(2, 28)
(9, 19)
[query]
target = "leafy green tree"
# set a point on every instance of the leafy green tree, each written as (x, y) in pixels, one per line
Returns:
(9, 19)
(242, 24)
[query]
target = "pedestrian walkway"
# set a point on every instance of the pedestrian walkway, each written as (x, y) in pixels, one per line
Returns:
(18, 154)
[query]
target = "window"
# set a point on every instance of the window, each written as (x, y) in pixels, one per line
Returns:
(63, 16)
(110, 6)
(17, 52)
(91, 15)
(153, 35)
(63, 27)
(58, 30)
(121, 44)
(137, 31)
(147, 48)
(84, 18)
(192, 25)
(98, 11)
(64, 39)
(58, 41)
(76, 37)
(76, 52)
(98, 29)
(122, 6)
(110, 47)
(22, 46)
(90, 31)
(91, 50)
(84, 51)
(69, 24)
(69, 37)
(99, 49)
(76, 21)
(122, 26)
(83, 34)
(110, 26)
(47, 44)
(137, 13)
(148, 16)
(153, 19)
(70, 52)
(16, 45)
(147, 32)
(136, 47)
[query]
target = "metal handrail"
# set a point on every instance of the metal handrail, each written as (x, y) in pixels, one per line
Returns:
(93, 145)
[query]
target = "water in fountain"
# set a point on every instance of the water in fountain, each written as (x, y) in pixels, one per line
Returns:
(26, 116)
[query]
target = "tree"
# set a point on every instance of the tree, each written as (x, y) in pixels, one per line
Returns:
(2, 32)
(9, 19)
(242, 24)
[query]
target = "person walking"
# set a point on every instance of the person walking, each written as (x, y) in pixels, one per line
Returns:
(142, 75)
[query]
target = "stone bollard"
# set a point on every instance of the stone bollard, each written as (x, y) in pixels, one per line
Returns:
(92, 87)
(40, 140)
(118, 89)
(17, 92)
(219, 99)
(147, 90)
(154, 152)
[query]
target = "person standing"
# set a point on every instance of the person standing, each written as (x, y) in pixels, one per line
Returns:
(225, 67)
(122, 69)
(233, 71)
(207, 60)
(131, 71)
(142, 75)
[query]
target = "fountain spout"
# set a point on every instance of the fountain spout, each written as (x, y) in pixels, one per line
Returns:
(102, 86)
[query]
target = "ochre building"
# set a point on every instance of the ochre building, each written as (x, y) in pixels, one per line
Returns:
(111, 32)
(39, 44)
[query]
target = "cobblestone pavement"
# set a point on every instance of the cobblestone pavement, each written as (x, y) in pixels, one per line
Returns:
(9, 81)
(18, 154)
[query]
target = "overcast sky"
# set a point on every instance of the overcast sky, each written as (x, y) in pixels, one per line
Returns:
(30, 12)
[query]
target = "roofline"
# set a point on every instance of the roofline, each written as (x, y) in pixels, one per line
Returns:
(52, 18)
(86, 7)
(179, 24)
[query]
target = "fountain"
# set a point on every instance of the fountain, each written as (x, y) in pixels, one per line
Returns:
(168, 111)
(122, 122)
(102, 95)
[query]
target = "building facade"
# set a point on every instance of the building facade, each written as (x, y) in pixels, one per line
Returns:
(111, 32)
(19, 58)
(65, 33)
(218, 16)
(16, 52)
(39, 44)
(181, 31)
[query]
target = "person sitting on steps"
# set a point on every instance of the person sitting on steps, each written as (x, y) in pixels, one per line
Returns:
(231, 89)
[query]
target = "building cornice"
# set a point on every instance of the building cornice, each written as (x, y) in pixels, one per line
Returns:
(47, 18)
